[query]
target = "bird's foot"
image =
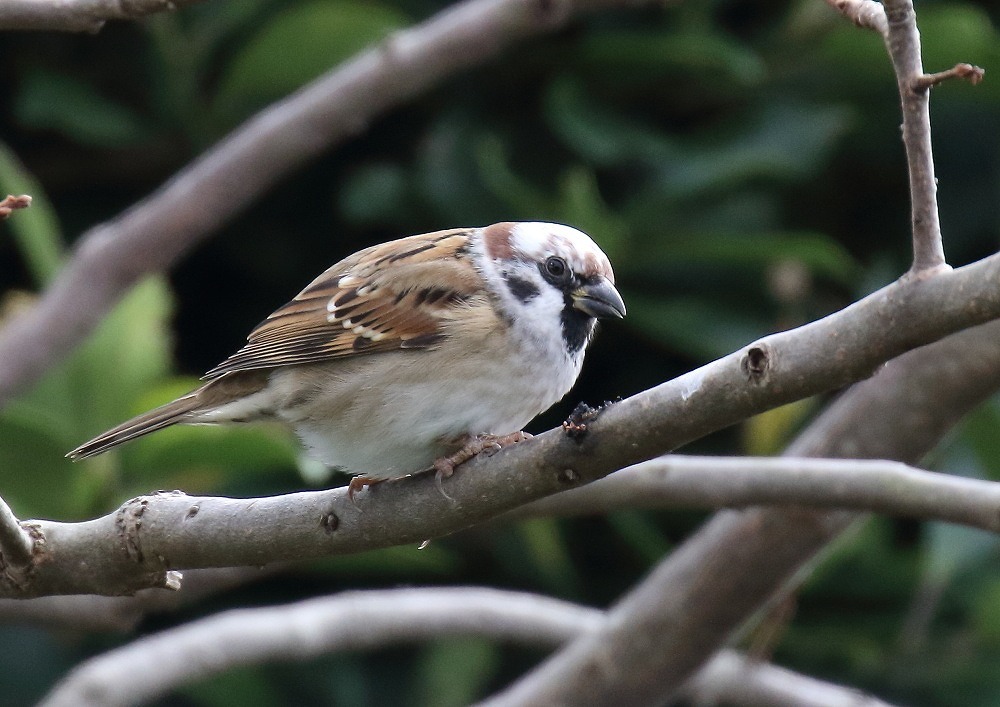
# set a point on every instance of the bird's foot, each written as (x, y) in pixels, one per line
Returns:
(473, 446)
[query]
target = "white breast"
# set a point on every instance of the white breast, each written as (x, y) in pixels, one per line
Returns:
(392, 414)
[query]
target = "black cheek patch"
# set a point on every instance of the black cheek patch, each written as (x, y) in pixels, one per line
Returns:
(523, 290)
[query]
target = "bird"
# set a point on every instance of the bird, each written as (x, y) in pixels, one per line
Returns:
(412, 355)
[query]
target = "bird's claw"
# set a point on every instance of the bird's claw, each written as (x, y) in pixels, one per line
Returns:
(474, 446)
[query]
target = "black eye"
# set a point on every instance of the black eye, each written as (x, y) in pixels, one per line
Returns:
(556, 267)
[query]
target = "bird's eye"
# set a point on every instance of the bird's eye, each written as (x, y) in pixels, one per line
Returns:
(556, 267)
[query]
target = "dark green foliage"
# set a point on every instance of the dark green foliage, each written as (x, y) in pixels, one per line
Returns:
(740, 163)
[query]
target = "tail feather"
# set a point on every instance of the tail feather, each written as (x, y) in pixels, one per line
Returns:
(143, 424)
(193, 407)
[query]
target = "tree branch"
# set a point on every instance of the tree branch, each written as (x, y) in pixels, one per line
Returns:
(16, 544)
(886, 487)
(690, 605)
(153, 234)
(867, 14)
(668, 482)
(89, 613)
(731, 679)
(152, 666)
(896, 21)
(140, 544)
(966, 72)
(347, 621)
(903, 43)
(78, 15)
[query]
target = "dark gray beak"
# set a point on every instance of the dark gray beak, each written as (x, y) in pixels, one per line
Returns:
(599, 299)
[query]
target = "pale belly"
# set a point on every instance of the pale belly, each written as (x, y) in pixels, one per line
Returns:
(396, 416)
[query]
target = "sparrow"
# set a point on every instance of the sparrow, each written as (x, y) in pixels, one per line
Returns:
(412, 355)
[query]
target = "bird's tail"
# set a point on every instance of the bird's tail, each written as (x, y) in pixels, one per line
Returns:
(156, 419)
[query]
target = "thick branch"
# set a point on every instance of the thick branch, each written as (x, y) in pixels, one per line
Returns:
(90, 613)
(886, 487)
(78, 15)
(135, 547)
(690, 605)
(668, 482)
(152, 666)
(154, 233)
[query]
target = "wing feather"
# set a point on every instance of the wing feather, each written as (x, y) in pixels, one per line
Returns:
(375, 300)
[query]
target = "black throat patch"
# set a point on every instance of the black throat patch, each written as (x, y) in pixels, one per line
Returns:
(577, 327)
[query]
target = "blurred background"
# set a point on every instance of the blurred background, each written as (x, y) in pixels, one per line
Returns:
(740, 163)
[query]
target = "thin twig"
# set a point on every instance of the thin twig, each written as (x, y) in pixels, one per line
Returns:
(966, 72)
(903, 43)
(738, 482)
(11, 203)
(152, 666)
(16, 544)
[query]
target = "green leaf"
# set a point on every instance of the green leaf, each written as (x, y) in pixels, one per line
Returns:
(66, 105)
(36, 228)
(954, 33)
(979, 431)
(696, 328)
(85, 395)
(582, 205)
(546, 552)
(638, 530)
(299, 44)
(598, 132)
(405, 562)
(709, 55)
(578, 201)
(455, 672)
(449, 177)
(782, 141)
(127, 354)
(376, 194)
(524, 199)
(820, 253)
(225, 689)
(36, 480)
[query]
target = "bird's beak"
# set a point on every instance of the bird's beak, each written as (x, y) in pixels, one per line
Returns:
(599, 299)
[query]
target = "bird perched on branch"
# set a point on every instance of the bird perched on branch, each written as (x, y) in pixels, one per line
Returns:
(413, 354)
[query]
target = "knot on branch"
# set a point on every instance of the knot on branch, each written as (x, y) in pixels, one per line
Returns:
(575, 425)
(128, 521)
(757, 362)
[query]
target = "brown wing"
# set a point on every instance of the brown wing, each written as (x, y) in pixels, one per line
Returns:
(384, 298)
